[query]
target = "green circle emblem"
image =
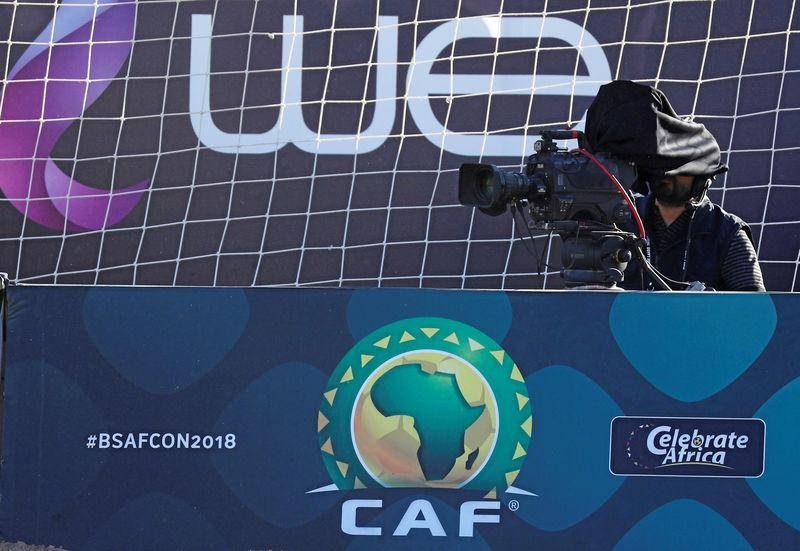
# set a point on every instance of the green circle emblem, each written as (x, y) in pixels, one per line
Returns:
(425, 402)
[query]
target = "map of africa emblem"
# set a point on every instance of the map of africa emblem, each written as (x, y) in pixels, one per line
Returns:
(425, 402)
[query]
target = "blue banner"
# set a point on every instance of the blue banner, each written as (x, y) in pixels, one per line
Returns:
(152, 418)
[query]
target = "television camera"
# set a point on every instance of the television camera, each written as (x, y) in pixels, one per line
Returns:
(584, 198)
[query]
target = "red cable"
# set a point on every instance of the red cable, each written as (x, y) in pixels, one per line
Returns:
(634, 212)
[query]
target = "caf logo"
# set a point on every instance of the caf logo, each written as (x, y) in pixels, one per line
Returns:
(425, 402)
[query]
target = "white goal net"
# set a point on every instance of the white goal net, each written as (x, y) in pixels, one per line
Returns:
(318, 143)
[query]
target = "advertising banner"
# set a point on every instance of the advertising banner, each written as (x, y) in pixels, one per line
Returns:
(149, 418)
(299, 142)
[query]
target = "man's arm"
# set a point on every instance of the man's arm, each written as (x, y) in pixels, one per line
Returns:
(740, 269)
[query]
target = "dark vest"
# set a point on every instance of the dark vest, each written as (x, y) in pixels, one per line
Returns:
(710, 233)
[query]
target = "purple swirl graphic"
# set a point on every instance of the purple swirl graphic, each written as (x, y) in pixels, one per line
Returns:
(54, 81)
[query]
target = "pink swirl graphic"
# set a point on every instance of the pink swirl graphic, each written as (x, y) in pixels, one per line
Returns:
(54, 81)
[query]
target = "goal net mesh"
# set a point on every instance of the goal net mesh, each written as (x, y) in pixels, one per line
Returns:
(302, 143)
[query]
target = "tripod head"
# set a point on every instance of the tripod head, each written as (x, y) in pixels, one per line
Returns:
(594, 254)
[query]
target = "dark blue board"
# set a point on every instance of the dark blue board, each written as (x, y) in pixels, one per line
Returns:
(149, 418)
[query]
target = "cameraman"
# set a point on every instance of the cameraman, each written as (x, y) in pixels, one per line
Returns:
(692, 239)
(689, 238)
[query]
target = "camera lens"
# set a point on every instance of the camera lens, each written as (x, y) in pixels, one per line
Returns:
(485, 184)
(489, 188)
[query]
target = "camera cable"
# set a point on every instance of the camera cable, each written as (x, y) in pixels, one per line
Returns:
(622, 192)
(540, 258)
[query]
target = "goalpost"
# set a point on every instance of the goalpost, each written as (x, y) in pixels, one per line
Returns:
(301, 143)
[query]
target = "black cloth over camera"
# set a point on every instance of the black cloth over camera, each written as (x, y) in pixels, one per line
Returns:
(637, 123)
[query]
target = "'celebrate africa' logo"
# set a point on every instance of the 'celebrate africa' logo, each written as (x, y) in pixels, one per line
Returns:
(425, 402)
(687, 446)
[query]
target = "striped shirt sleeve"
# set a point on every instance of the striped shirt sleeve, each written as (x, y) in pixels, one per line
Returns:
(740, 269)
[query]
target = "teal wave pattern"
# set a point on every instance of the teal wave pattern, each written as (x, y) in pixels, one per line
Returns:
(682, 344)
(683, 524)
(141, 347)
(567, 465)
(779, 486)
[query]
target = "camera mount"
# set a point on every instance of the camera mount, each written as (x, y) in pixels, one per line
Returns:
(592, 254)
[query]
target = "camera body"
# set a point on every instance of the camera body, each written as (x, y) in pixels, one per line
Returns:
(569, 192)
(557, 186)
